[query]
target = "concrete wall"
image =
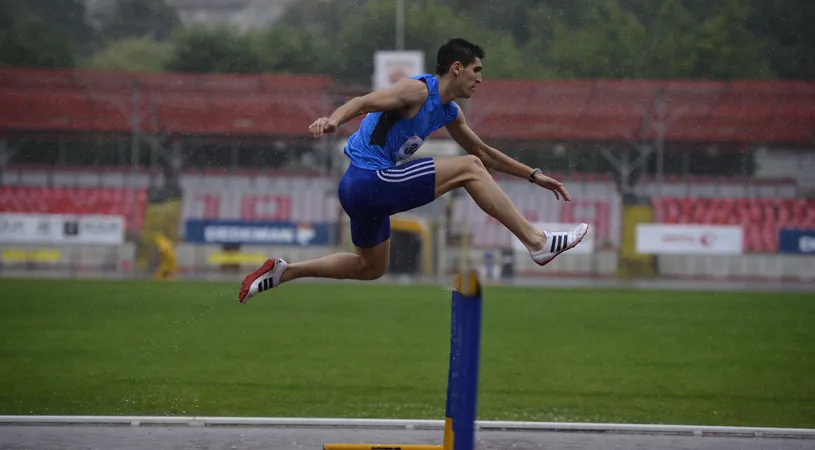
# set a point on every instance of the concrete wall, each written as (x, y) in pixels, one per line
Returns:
(749, 267)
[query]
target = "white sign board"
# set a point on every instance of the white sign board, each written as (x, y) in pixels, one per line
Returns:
(661, 239)
(585, 246)
(391, 66)
(54, 229)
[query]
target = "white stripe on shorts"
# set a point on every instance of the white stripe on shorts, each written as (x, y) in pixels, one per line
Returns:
(405, 169)
(401, 175)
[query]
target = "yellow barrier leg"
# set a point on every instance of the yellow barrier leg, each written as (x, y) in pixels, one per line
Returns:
(448, 433)
(380, 447)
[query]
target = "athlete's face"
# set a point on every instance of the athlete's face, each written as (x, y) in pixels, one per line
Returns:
(467, 78)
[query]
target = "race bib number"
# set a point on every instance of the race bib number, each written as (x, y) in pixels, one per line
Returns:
(409, 148)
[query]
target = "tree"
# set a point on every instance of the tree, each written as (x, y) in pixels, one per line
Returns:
(426, 28)
(429, 28)
(320, 17)
(12, 11)
(786, 28)
(201, 49)
(140, 18)
(64, 17)
(284, 48)
(43, 33)
(135, 54)
(30, 42)
(523, 38)
(368, 29)
(670, 49)
(608, 44)
(726, 49)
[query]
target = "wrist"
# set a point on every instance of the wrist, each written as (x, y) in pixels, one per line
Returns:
(345, 112)
(335, 119)
(533, 175)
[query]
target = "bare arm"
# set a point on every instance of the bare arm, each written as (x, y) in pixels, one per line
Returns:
(495, 159)
(491, 157)
(405, 93)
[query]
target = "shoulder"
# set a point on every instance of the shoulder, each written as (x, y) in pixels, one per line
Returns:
(427, 79)
(413, 89)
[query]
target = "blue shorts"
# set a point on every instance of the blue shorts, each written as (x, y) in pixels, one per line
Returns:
(370, 197)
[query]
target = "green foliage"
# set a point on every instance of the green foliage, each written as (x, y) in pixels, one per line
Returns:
(785, 28)
(288, 49)
(608, 44)
(674, 54)
(30, 42)
(658, 40)
(212, 49)
(135, 54)
(43, 33)
(727, 49)
(140, 18)
(751, 39)
(64, 17)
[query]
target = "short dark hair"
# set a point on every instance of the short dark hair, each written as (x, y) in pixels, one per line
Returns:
(457, 49)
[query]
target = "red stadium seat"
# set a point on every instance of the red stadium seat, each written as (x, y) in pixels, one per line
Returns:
(80, 201)
(761, 218)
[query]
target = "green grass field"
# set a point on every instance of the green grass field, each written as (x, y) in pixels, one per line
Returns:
(365, 350)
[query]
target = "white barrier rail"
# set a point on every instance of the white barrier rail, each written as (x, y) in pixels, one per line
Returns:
(483, 425)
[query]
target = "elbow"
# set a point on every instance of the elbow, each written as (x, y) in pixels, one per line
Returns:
(481, 153)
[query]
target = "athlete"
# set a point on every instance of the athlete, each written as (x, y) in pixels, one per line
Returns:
(397, 122)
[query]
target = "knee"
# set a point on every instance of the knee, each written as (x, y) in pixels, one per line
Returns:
(372, 270)
(474, 166)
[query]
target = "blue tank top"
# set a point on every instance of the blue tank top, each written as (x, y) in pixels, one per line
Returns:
(384, 138)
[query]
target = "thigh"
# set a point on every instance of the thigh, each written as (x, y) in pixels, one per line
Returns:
(375, 193)
(453, 172)
(406, 187)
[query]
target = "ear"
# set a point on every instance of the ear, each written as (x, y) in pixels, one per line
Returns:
(457, 68)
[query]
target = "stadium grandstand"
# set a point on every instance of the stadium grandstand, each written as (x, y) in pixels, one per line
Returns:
(201, 159)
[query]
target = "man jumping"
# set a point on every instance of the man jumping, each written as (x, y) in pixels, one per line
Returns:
(397, 122)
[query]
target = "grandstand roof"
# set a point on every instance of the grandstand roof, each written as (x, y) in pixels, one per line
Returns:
(284, 105)
(701, 111)
(186, 104)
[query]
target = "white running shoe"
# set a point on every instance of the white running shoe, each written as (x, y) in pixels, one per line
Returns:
(265, 278)
(558, 242)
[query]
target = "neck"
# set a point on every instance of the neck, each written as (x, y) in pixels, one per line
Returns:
(446, 89)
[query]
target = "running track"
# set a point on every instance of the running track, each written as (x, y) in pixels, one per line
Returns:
(107, 437)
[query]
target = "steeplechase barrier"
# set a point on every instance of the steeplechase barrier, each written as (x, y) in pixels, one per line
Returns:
(462, 375)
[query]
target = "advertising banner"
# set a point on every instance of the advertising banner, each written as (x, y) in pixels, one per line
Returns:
(27, 256)
(256, 233)
(796, 241)
(391, 66)
(52, 229)
(685, 239)
(585, 246)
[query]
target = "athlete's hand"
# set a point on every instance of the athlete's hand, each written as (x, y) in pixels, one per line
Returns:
(553, 185)
(322, 126)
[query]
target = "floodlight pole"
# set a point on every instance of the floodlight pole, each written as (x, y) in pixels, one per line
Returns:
(400, 24)
(134, 146)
